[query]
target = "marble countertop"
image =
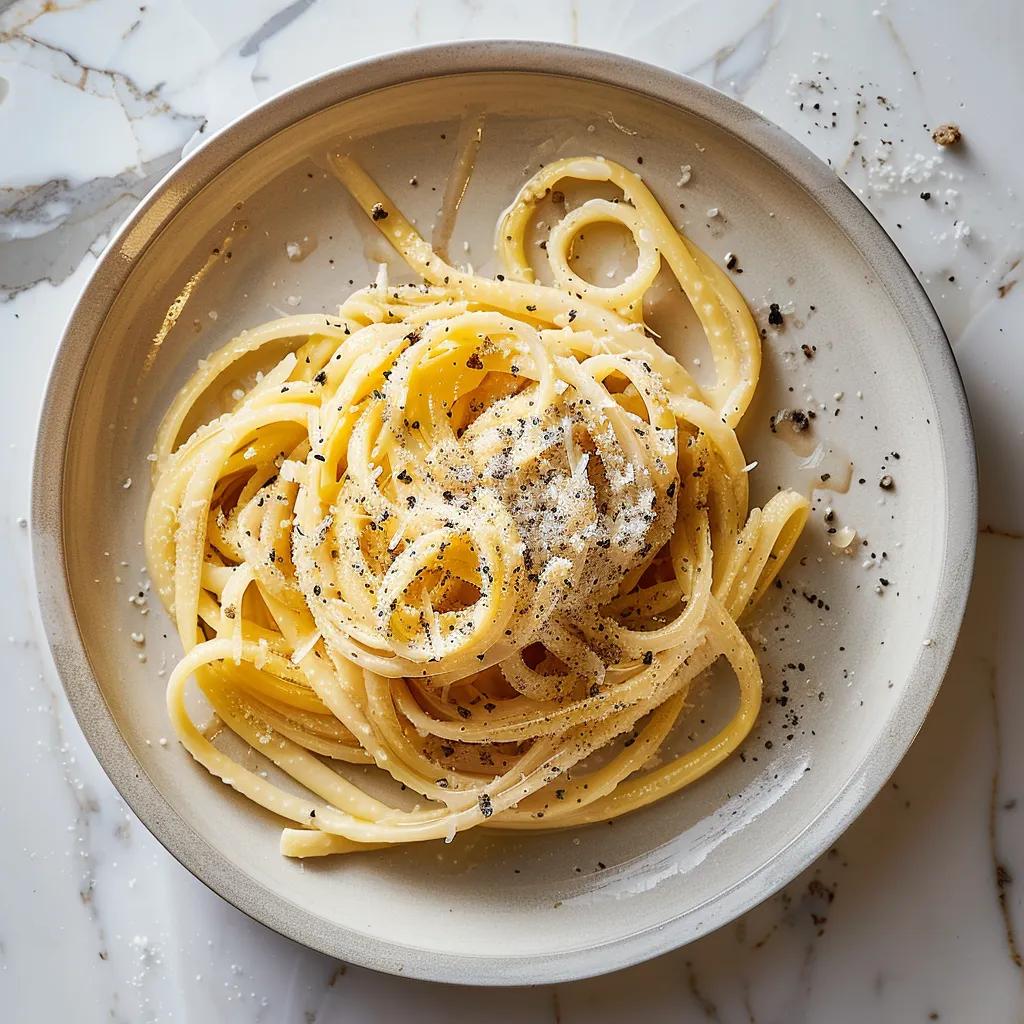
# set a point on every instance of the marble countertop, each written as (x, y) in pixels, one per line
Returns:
(916, 914)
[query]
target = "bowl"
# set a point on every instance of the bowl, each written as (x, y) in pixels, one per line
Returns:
(854, 644)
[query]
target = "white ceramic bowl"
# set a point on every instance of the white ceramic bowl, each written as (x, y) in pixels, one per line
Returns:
(863, 666)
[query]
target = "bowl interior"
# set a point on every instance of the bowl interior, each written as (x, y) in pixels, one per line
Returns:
(838, 641)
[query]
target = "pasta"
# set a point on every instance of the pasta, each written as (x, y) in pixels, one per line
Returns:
(479, 536)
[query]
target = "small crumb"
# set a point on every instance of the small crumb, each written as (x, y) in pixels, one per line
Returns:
(774, 315)
(947, 135)
(127, 483)
(713, 211)
(886, 482)
(685, 174)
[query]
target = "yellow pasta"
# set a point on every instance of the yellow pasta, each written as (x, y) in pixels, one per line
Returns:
(482, 534)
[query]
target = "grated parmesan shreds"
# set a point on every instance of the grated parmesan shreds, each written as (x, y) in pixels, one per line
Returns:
(588, 516)
(322, 527)
(263, 653)
(304, 648)
(570, 446)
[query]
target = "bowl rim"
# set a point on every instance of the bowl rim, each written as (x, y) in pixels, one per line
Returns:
(198, 169)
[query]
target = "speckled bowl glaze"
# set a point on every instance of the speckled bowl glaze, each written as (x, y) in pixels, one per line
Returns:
(851, 663)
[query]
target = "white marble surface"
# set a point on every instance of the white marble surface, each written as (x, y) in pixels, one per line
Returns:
(917, 914)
